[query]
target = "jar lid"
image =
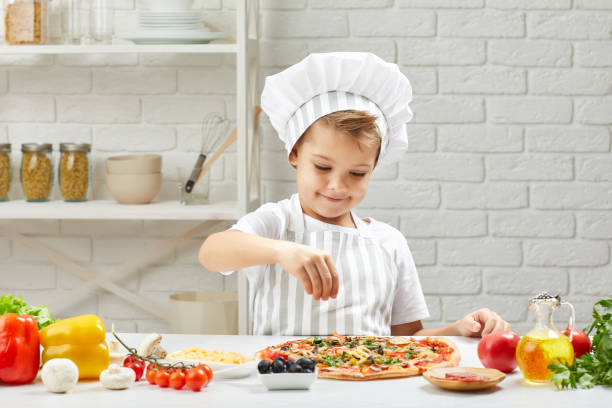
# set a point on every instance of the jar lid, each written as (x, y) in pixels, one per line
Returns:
(545, 297)
(5, 147)
(36, 147)
(75, 147)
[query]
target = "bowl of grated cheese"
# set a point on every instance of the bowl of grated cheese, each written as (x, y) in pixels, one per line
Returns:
(225, 364)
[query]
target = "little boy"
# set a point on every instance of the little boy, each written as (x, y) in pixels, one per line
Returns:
(314, 267)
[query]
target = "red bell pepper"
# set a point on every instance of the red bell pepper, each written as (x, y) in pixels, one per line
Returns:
(19, 348)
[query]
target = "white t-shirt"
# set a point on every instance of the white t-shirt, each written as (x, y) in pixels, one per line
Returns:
(272, 219)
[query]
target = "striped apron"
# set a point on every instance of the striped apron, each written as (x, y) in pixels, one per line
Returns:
(367, 280)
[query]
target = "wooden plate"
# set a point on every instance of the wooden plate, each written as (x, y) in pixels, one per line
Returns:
(436, 376)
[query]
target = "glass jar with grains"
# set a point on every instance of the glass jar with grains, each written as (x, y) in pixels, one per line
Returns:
(36, 171)
(25, 21)
(75, 171)
(5, 171)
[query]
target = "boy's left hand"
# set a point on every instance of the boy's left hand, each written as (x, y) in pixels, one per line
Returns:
(480, 323)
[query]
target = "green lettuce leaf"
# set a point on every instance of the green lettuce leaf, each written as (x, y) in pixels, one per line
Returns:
(12, 304)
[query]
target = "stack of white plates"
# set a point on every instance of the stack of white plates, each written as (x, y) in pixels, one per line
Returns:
(171, 27)
(170, 20)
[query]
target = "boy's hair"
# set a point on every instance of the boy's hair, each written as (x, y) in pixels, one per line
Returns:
(359, 124)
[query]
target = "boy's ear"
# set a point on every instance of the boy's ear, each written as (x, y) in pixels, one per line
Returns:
(293, 157)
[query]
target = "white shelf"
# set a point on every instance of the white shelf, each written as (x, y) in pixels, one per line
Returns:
(111, 210)
(120, 49)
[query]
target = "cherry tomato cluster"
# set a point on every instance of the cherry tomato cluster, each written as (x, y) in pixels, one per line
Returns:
(194, 378)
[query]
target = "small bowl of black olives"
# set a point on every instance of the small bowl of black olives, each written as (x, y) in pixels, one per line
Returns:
(282, 374)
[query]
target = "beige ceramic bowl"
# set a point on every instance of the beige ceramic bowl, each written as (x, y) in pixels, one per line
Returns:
(134, 164)
(134, 188)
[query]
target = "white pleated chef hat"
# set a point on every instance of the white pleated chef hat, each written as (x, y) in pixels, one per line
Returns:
(324, 83)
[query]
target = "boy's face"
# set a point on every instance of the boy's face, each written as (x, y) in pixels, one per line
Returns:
(333, 172)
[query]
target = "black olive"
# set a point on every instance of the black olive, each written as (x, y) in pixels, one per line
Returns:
(264, 366)
(380, 350)
(285, 348)
(317, 340)
(306, 363)
(294, 368)
(278, 366)
(335, 342)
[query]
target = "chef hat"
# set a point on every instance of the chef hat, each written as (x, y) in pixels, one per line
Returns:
(324, 83)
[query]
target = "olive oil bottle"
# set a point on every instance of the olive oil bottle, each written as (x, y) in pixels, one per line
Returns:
(544, 344)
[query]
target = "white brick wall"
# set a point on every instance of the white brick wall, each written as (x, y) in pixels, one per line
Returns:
(506, 189)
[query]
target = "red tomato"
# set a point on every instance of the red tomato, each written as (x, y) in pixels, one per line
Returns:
(498, 350)
(580, 342)
(208, 371)
(137, 368)
(278, 354)
(133, 359)
(195, 379)
(177, 380)
(162, 378)
(151, 376)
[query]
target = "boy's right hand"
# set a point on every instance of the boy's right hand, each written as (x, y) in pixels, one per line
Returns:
(313, 267)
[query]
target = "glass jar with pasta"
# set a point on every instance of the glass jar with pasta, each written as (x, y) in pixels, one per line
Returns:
(5, 171)
(25, 21)
(74, 173)
(36, 171)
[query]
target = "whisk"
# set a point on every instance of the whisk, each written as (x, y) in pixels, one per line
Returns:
(214, 129)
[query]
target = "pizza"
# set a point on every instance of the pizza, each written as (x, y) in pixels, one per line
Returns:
(367, 357)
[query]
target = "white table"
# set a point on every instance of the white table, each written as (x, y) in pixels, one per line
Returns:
(249, 392)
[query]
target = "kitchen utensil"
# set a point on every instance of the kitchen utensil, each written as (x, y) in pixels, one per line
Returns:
(544, 344)
(214, 128)
(101, 21)
(437, 376)
(134, 164)
(222, 370)
(168, 21)
(206, 312)
(134, 188)
(166, 5)
(230, 139)
(75, 21)
(200, 36)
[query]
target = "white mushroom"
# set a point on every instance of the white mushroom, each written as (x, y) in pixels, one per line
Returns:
(151, 347)
(116, 357)
(117, 378)
(59, 375)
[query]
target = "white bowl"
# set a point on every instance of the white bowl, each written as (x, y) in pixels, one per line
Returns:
(166, 5)
(134, 188)
(222, 370)
(288, 381)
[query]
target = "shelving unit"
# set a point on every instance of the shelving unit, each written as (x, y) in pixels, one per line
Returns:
(111, 210)
(246, 51)
(121, 49)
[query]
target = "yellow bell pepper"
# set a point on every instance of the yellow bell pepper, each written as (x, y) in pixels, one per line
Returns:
(81, 339)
